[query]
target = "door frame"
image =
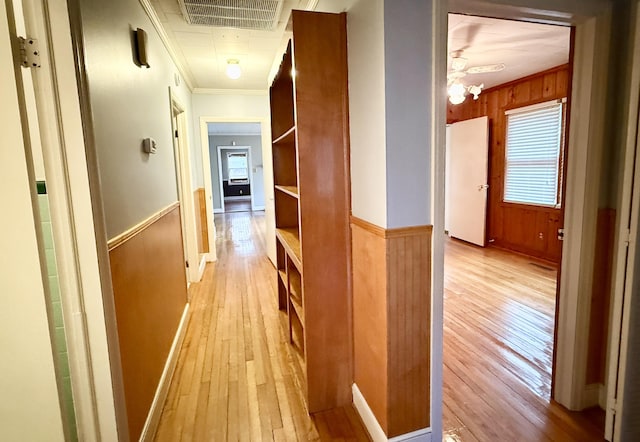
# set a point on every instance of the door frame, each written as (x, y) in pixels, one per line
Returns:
(184, 187)
(585, 145)
(77, 223)
(627, 227)
(265, 134)
(249, 165)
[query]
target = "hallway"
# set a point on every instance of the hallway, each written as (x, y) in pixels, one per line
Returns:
(234, 379)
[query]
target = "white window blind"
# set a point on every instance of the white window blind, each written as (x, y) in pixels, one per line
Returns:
(237, 166)
(533, 150)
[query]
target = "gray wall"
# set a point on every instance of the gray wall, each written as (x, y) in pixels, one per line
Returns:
(130, 103)
(257, 178)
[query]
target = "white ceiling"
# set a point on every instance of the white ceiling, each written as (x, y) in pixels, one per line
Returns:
(233, 128)
(525, 48)
(204, 51)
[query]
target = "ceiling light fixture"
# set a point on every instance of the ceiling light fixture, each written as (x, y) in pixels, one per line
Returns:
(233, 69)
(457, 91)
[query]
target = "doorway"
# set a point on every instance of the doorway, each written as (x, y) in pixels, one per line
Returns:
(500, 302)
(234, 178)
(235, 154)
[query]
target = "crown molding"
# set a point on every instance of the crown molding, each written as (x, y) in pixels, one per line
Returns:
(206, 91)
(155, 20)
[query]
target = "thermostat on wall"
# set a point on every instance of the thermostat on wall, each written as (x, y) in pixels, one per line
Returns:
(149, 145)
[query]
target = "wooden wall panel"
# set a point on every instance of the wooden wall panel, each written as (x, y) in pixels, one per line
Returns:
(200, 211)
(408, 323)
(370, 319)
(150, 294)
(600, 297)
(515, 226)
(392, 299)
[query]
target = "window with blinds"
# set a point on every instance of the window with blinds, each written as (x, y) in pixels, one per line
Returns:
(237, 168)
(534, 154)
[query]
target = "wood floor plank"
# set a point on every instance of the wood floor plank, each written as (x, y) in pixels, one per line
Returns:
(498, 344)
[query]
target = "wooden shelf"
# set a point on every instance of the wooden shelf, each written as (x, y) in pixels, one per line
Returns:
(283, 276)
(289, 190)
(286, 138)
(309, 150)
(291, 242)
(297, 308)
(295, 285)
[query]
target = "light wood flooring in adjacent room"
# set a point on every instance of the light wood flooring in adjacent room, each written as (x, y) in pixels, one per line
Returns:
(498, 346)
(235, 378)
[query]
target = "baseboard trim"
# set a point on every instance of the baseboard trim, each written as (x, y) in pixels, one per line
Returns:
(153, 418)
(591, 395)
(210, 257)
(237, 198)
(376, 432)
(218, 211)
(258, 208)
(203, 264)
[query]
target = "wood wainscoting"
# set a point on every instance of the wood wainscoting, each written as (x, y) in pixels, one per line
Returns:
(150, 294)
(526, 229)
(391, 319)
(200, 211)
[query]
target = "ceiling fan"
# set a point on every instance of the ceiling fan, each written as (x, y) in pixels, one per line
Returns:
(455, 88)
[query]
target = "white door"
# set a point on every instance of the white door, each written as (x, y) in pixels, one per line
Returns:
(466, 175)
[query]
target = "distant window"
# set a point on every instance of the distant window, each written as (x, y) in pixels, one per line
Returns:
(533, 163)
(237, 167)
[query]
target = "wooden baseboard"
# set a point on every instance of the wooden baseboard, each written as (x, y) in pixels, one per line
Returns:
(153, 419)
(373, 427)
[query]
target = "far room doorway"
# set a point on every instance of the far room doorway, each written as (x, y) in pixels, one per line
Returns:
(508, 85)
(237, 175)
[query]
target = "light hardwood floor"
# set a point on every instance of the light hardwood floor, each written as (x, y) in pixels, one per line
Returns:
(498, 345)
(234, 379)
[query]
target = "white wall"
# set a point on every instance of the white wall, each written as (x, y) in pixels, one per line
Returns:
(130, 103)
(365, 37)
(408, 71)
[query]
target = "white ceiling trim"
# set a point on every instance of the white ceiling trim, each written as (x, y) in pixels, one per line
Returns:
(155, 20)
(206, 91)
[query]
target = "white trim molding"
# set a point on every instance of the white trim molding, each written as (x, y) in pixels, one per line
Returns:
(209, 91)
(376, 432)
(153, 418)
(157, 24)
(201, 267)
(586, 141)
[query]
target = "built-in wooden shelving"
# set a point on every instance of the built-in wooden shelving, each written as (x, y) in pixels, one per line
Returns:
(286, 138)
(309, 117)
(289, 190)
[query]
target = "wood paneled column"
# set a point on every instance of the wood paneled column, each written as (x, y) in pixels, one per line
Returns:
(392, 299)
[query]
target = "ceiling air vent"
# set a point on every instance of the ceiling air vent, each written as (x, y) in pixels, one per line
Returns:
(261, 15)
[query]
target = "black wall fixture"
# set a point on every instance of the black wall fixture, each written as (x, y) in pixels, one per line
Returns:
(141, 47)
